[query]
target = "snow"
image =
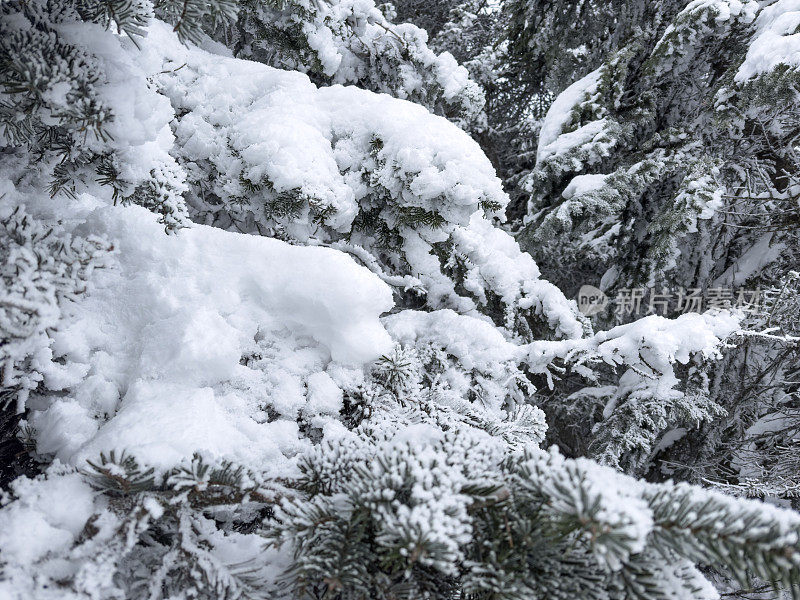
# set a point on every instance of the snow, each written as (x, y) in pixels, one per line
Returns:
(48, 518)
(764, 252)
(603, 499)
(723, 10)
(281, 131)
(219, 342)
(496, 263)
(647, 348)
(474, 342)
(164, 332)
(775, 42)
(583, 184)
(228, 344)
(667, 340)
(354, 56)
(418, 435)
(324, 396)
(669, 438)
(559, 115)
(573, 139)
(139, 134)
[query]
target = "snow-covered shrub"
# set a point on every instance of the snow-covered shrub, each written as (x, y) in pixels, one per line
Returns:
(454, 369)
(205, 343)
(212, 334)
(399, 506)
(70, 100)
(391, 506)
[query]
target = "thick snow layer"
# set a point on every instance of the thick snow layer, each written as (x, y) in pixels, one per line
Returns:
(583, 184)
(495, 262)
(666, 341)
(649, 347)
(775, 42)
(474, 342)
(48, 518)
(158, 346)
(317, 143)
(139, 134)
(342, 153)
(559, 116)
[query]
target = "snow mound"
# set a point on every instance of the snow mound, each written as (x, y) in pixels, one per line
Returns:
(42, 522)
(776, 41)
(175, 350)
(552, 138)
(329, 146)
(583, 184)
(347, 167)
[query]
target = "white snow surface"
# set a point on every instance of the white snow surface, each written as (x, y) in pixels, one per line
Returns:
(583, 184)
(157, 345)
(474, 342)
(559, 115)
(496, 262)
(47, 519)
(775, 42)
(280, 127)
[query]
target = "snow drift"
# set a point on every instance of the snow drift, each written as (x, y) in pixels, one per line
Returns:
(160, 341)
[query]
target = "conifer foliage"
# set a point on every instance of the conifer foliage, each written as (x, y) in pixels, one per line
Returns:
(266, 336)
(667, 162)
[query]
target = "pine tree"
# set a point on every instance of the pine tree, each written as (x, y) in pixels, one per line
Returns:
(353, 43)
(529, 525)
(57, 104)
(419, 474)
(668, 166)
(664, 148)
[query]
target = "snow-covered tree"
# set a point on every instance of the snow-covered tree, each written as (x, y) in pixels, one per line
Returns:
(61, 98)
(322, 380)
(352, 42)
(669, 163)
(477, 33)
(430, 514)
(677, 142)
